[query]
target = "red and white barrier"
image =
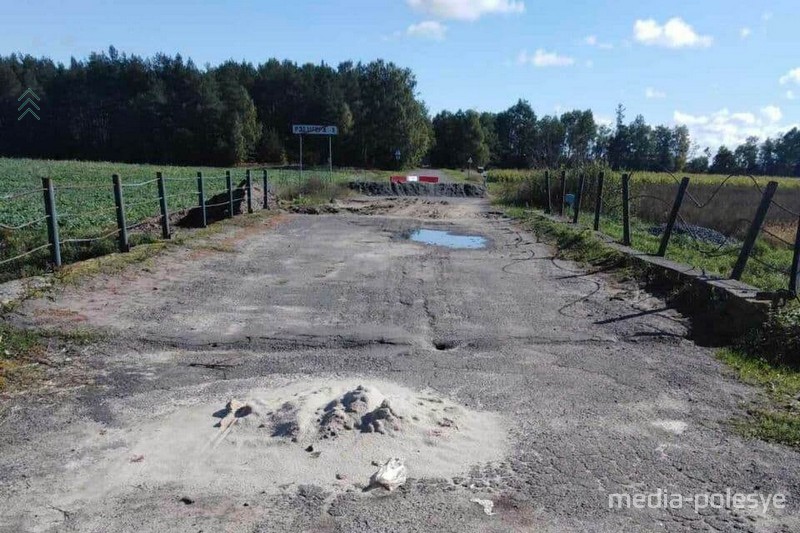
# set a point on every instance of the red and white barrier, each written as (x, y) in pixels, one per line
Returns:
(407, 179)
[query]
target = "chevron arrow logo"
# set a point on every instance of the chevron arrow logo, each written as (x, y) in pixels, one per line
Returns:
(29, 103)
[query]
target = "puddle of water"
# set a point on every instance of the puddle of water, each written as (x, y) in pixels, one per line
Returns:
(447, 239)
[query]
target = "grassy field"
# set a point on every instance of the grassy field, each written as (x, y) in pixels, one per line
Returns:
(513, 175)
(726, 211)
(86, 209)
(777, 418)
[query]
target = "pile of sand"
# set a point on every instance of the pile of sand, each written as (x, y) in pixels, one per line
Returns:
(330, 433)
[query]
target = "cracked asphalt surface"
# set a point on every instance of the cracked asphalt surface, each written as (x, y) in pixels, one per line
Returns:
(602, 391)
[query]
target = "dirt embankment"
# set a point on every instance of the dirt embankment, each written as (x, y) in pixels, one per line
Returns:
(373, 188)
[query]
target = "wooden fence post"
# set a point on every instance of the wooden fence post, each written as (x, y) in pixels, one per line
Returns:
(266, 189)
(162, 200)
(201, 195)
(52, 220)
(563, 192)
(794, 280)
(673, 216)
(579, 198)
(549, 201)
(249, 179)
(626, 209)
(755, 229)
(229, 183)
(122, 240)
(598, 203)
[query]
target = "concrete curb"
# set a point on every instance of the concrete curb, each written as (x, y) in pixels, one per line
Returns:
(722, 310)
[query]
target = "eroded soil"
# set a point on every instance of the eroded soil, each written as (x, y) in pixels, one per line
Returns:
(591, 384)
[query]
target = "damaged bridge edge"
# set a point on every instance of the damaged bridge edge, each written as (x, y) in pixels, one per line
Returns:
(722, 310)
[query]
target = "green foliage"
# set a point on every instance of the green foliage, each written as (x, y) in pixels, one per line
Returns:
(764, 270)
(166, 110)
(779, 419)
(87, 210)
(517, 138)
(516, 134)
(459, 138)
(779, 337)
(18, 348)
(515, 175)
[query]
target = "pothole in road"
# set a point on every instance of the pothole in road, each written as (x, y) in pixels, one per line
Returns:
(447, 239)
(443, 346)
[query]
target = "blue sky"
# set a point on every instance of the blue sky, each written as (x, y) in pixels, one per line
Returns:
(726, 69)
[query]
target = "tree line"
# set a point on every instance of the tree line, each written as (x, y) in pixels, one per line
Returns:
(517, 138)
(165, 109)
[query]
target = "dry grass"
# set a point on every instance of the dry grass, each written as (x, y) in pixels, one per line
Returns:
(729, 211)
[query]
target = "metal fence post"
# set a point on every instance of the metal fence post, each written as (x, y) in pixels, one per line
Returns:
(626, 209)
(162, 200)
(563, 192)
(266, 189)
(201, 194)
(120, 202)
(52, 220)
(755, 229)
(598, 202)
(229, 183)
(249, 179)
(673, 216)
(549, 201)
(579, 198)
(794, 280)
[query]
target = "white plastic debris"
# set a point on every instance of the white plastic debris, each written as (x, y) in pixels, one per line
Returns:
(235, 410)
(488, 505)
(391, 475)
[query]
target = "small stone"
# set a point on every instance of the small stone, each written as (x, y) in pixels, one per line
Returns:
(187, 500)
(310, 449)
(340, 477)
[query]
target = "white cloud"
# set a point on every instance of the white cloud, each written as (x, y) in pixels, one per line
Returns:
(543, 58)
(766, 16)
(791, 76)
(745, 32)
(744, 118)
(732, 129)
(654, 94)
(592, 40)
(467, 9)
(790, 95)
(604, 120)
(674, 34)
(689, 120)
(773, 113)
(429, 29)
(589, 63)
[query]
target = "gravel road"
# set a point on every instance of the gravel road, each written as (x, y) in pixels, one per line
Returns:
(593, 382)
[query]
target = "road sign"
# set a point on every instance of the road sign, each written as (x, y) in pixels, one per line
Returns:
(306, 129)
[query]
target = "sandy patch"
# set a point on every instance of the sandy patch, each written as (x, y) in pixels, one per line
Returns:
(676, 427)
(330, 433)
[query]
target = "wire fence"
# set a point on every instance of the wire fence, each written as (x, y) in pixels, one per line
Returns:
(58, 223)
(738, 227)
